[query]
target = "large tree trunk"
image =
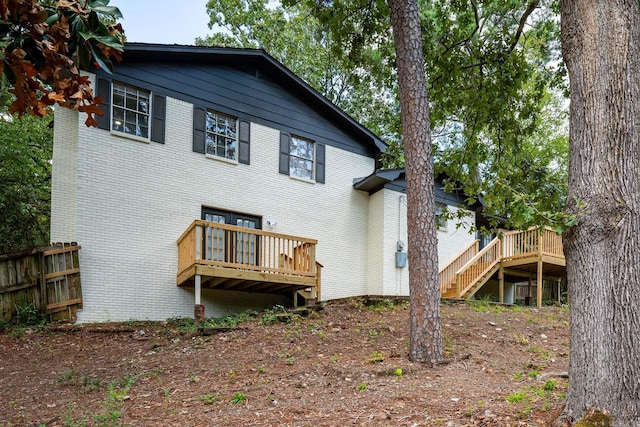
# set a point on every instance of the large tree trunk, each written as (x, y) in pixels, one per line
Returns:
(425, 321)
(601, 47)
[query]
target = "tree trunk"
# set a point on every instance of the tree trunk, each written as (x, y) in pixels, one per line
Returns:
(425, 322)
(601, 47)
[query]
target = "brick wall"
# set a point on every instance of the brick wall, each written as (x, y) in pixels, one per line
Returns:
(388, 225)
(134, 199)
(126, 202)
(64, 185)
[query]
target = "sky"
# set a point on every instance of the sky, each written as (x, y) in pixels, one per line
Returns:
(164, 21)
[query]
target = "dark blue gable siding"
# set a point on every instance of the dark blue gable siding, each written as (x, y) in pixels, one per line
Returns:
(248, 92)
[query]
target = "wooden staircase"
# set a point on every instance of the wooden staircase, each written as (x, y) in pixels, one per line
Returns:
(528, 250)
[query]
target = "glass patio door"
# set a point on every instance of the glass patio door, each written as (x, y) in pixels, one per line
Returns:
(231, 246)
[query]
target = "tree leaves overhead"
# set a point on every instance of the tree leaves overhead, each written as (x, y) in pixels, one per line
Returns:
(43, 47)
(363, 86)
(494, 75)
(495, 79)
(25, 178)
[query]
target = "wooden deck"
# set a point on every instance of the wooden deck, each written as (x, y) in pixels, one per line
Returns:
(514, 256)
(228, 257)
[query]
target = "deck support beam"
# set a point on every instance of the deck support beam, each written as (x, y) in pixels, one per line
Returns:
(198, 286)
(198, 309)
(501, 285)
(539, 285)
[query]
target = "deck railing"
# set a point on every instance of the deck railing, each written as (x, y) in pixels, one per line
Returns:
(471, 266)
(448, 273)
(230, 246)
(532, 242)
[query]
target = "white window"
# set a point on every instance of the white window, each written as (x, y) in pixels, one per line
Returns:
(130, 108)
(222, 137)
(301, 155)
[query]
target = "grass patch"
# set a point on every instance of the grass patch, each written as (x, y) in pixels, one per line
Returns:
(238, 398)
(516, 397)
(376, 357)
(209, 398)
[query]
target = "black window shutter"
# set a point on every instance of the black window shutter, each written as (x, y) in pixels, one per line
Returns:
(320, 155)
(244, 137)
(103, 89)
(199, 128)
(158, 114)
(284, 152)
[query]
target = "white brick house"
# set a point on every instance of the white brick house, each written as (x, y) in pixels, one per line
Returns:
(233, 137)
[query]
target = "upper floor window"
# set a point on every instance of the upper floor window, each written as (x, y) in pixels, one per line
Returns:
(131, 108)
(301, 158)
(222, 135)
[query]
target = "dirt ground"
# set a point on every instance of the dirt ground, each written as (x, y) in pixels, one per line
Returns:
(344, 365)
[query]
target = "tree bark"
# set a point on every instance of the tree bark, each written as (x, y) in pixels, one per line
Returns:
(425, 321)
(601, 47)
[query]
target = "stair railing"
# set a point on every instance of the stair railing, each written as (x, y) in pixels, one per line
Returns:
(447, 274)
(478, 266)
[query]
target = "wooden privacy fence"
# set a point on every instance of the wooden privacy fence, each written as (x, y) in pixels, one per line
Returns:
(47, 278)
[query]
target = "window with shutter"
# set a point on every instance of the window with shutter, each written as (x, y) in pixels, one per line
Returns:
(221, 136)
(131, 111)
(130, 108)
(302, 158)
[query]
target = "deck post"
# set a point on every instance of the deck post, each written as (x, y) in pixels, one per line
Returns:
(539, 283)
(198, 286)
(198, 309)
(501, 284)
(199, 243)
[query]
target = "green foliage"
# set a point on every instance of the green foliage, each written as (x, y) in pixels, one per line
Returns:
(376, 357)
(542, 353)
(28, 315)
(110, 414)
(549, 385)
(238, 398)
(271, 314)
(516, 397)
(68, 418)
(525, 412)
(496, 86)
(231, 321)
(361, 82)
(70, 377)
(480, 305)
(362, 386)
(44, 46)
(26, 147)
(208, 398)
(383, 305)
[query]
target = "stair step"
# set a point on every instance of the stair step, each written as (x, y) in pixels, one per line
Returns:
(304, 293)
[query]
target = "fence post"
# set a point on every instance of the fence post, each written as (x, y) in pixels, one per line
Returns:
(44, 299)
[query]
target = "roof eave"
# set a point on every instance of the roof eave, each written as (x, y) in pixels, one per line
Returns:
(160, 51)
